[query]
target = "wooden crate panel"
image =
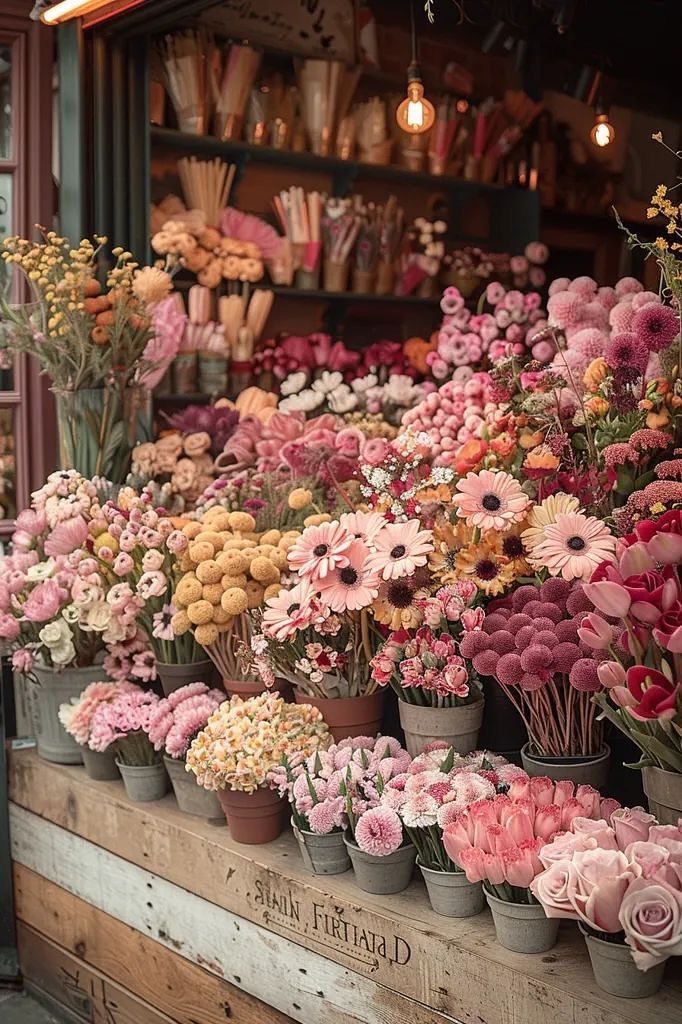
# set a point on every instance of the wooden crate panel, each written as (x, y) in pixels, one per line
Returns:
(295, 980)
(175, 987)
(455, 967)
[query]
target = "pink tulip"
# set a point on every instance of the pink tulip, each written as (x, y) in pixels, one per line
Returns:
(519, 789)
(589, 798)
(547, 821)
(607, 806)
(517, 865)
(520, 827)
(570, 810)
(563, 791)
(666, 548)
(595, 632)
(542, 790)
(492, 865)
(611, 673)
(457, 837)
(473, 863)
(610, 598)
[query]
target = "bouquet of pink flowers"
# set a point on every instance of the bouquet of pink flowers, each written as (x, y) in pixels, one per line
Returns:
(499, 841)
(424, 667)
(642, 593)
(437, 786)
(318, 633)
(621, 878)
(179, 717)
(77, 716)
(331, 789)
(124, 724)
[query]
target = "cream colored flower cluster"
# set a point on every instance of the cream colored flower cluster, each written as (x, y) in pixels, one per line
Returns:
(186, 457)
(213, 257)
(229, 568)
(245, 739)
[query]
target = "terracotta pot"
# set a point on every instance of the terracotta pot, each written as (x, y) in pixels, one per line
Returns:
(348, 716)
(458, 727)
(382, 875)
(174, 676)
(100, 766)
(588, 771)
(664, 793)
(144, 782)
(191, 797)
(616, 972)
(245, 689)
(254, 818)
(52, 689)
(522, 927)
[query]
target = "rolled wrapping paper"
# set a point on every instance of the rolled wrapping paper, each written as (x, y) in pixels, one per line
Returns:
(184, 370)
(199, 304)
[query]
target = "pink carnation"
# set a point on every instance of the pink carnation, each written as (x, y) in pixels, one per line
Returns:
(379, 832)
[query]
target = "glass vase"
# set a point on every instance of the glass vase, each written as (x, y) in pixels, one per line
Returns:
(99, 427)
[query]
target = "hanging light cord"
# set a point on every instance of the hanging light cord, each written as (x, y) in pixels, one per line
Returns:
(414, 33)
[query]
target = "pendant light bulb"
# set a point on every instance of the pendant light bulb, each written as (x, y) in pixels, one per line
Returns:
(415, 114)
(602, 133)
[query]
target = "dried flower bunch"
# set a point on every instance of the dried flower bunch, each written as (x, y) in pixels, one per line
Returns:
(82, 336)
(244, 740)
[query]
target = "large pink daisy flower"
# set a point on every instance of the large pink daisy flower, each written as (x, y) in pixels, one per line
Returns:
(292, 610)
(352, 586)
(491, 501)
(399, 549)
(573, 546)
(320, 549)
(362, 525)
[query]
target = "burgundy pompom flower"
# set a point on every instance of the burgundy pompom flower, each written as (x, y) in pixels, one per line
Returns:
(656, 326)
(626, 349)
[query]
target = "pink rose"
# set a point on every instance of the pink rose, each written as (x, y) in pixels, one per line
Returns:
(650, 857)
(602, 879)
(123, 564)
(631, 825)
(598, 830)
(552, 888)
(564, 846)
(651, 917)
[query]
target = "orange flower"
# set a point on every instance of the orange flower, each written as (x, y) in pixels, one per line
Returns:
(470, 456)
(416, 351)
(656, 420)
(530, 440)
(504, 445)
(441, 493)
(595, 374)
(541, 458)
(598, 405)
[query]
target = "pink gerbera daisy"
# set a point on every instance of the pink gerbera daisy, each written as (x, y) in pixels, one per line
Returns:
(362, 525)
(400, 549)
(573, 546)
(320, 549)
(290, 611)
(491, 501)
(352, 586)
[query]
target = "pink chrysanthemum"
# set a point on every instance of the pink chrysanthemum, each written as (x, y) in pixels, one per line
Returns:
(327, 815)
(626, 349)
(640, 299)
(628, 286)
(379, 832)
(621, 316)
(574, 546)
(490, 501)
(420, 810)
(560, 284)
(589, 341)
(583, 286)
(656, 326)
(607, 297)
(400, 549)
(320, 549)
(564, 308)
(352, 586)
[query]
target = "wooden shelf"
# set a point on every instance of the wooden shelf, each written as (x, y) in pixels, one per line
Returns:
(92, 867)
(236, 150)
(353, 298)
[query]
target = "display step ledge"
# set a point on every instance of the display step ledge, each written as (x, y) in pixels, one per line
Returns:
(180, 921)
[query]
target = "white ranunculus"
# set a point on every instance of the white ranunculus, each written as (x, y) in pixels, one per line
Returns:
(40, 571)
(342, 399)
(53, 634)
(70, 613)
(306, 401)
(98, 617)
(294, 383)
(400, 389)
(63, 654)
(328, 382)
(362, 384)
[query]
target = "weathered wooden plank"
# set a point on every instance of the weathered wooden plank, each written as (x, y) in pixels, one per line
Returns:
(296, 981)
(86, 992)
(137, 963)
(453, 966)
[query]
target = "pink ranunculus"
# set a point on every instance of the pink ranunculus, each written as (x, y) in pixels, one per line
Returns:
(9, 627)
(651, 917)
(66, 536)
(631, 825)
(43, 602)
(472, 619)
(123, 564)
(22, 661)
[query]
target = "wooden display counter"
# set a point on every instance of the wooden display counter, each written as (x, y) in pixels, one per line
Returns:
(139, 914)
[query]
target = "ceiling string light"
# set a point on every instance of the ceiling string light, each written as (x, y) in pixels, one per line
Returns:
(415, 114)
(602, 132)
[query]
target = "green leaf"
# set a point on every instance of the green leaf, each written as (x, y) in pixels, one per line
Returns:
(661, 751)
